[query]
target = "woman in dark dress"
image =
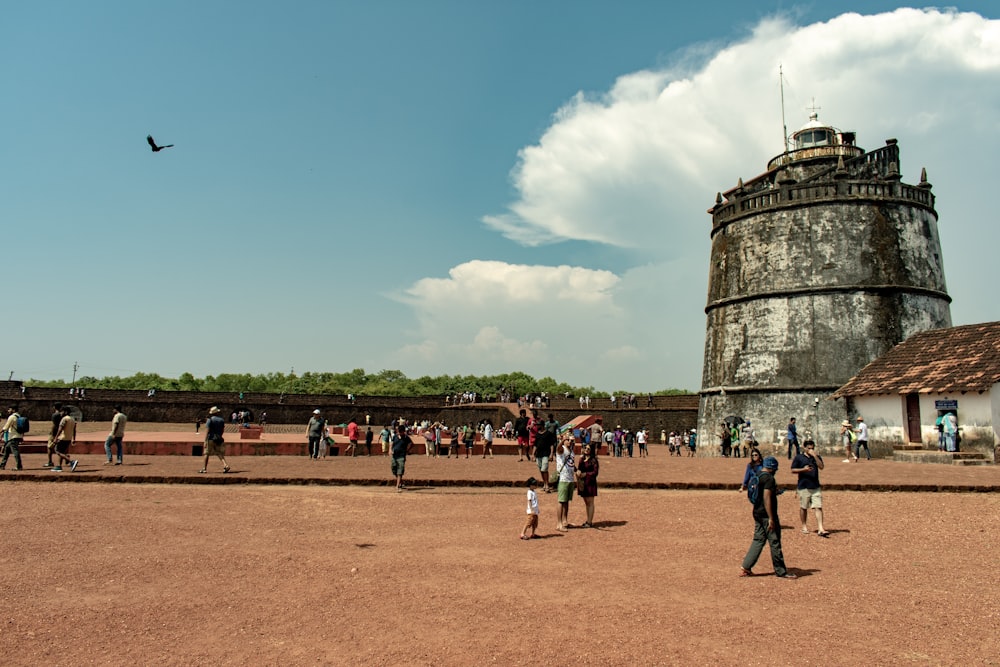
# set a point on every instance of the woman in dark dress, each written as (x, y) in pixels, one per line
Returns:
(586, 481)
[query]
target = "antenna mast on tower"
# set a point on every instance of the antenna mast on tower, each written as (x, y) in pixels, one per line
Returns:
(784, 126)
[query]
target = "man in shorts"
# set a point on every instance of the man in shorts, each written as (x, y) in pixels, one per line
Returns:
(401, 446)
(807, 466)
(545, 440)
(566, 470)
(64, 437)
(214, 442)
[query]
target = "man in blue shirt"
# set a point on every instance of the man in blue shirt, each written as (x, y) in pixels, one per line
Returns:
(807, 466)
(793, 438)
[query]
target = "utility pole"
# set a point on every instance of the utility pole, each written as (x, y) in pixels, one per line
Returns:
(76, 366)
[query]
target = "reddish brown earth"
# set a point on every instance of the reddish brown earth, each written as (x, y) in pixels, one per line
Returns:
(255, 571)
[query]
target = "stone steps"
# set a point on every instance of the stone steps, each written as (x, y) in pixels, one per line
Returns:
(915, 454)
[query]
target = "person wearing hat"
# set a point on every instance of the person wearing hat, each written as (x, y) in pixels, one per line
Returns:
(862, 441)
(767, 527)
(315, 431)
(214, 442)
(847, 437)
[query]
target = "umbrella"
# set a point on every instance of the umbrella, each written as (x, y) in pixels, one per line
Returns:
(733, 420)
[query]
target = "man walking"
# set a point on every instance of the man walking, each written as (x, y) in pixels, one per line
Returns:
(807, 466)
(862, 441)
(793, 438)
(352, 435)
(214, 442)
(401, 446)
(12, 439)
(64, 437)
(315, 431)
(488, 439)
(51, 445)
(115, 437)
(767, 528)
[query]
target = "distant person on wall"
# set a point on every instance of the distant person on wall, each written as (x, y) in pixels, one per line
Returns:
(401, 446)
(793, 437)
(115, 437)
(862, 441)
(353, 433)
(767, 527)
(215, 443)
(315, 430)
(65, 436)
(807, 466)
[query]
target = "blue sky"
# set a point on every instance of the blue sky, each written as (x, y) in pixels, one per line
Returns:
(441, 187)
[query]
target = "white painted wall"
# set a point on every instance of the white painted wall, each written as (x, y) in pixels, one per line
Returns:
(978, 417)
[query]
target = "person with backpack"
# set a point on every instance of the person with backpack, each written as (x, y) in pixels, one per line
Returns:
(807, 466)
(753, 467)
(14, 430)
(763, 493)
(215, 443)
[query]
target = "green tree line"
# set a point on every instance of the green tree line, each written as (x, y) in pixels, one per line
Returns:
(383, 383)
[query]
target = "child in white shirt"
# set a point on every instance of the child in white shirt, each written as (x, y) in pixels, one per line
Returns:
(532, 523)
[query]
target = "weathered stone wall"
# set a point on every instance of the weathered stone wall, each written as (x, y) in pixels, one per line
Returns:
(809, 282)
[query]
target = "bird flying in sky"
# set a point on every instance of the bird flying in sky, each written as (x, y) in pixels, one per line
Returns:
(152, 144)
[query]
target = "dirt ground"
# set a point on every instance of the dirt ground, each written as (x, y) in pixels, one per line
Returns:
(255, 574)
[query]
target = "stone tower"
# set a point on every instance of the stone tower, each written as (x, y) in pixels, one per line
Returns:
(819, 265)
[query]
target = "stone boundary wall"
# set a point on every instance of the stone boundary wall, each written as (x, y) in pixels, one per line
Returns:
(670, 413)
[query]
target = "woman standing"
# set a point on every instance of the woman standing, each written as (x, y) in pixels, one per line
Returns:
(753, 467)
(586, 479)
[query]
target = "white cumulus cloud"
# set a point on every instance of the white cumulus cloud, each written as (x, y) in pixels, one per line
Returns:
(637, 166)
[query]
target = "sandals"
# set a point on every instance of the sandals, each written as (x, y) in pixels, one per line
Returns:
(825, 533)
(745, 572)
(225, 470)
(202, 471)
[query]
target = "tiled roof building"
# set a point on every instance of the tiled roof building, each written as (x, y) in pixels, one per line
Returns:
(940, 361)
